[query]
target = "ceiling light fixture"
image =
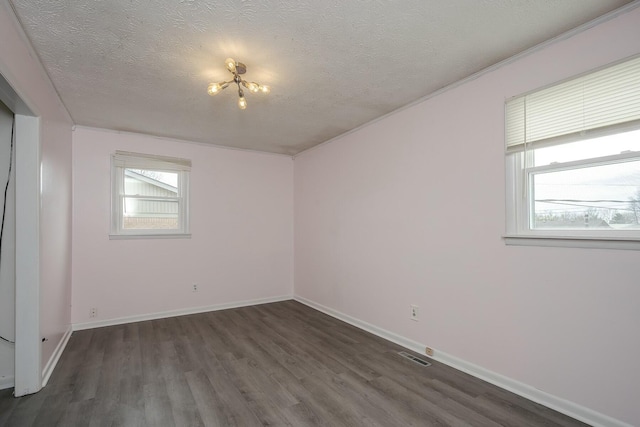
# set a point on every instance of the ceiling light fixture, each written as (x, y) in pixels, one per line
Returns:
(237, 69)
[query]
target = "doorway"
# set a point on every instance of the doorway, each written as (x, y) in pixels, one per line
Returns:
(27, 372)
(7, 248)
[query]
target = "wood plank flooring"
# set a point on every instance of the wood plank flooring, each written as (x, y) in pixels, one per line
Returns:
(274, 364)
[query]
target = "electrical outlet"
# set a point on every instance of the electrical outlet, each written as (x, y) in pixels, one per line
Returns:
(194, 288)
(93, 312)
(413, 312)
(428, 351)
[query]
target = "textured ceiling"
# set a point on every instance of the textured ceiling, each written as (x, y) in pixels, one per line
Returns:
(144, 66)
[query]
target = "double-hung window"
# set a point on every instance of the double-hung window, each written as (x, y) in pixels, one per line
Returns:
(573, 161)
(150, 196)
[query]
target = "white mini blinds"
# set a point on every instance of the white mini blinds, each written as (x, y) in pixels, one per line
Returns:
(150, 196)
(599, 103)
(127, 159)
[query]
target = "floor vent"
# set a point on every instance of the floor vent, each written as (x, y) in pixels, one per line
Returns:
(414, 359)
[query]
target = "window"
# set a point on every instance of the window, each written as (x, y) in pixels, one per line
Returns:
(573, 160)
(150, 196)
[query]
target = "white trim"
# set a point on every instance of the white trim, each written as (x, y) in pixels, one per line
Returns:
(572, 242)
(382, 333)
(563, 406)
(174, 313)
(55, 357)
(571, 409)
(28, 378)
(149, 236)
(7, 382)
(571, 33)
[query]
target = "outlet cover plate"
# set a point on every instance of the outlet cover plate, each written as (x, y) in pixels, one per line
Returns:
(414, 312)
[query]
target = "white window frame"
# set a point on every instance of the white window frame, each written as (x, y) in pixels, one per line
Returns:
(519, 173)
(122, 160)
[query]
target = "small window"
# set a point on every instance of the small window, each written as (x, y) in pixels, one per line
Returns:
(150, 196)
(573, 158)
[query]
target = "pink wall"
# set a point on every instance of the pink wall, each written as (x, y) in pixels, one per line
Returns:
(241, 223)
(55, 234)
(411, 210)
(21, 68)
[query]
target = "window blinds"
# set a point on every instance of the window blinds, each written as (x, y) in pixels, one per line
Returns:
(594, 104)
(125, 159)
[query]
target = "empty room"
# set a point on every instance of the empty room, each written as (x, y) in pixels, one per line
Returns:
(365, 213)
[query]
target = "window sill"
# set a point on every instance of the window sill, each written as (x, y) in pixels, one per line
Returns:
(573, 242)
(148, 236)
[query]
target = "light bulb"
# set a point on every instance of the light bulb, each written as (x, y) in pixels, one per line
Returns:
(253, 87)
(231, 64)
(214, 88)
(265, 89)
(242, 103)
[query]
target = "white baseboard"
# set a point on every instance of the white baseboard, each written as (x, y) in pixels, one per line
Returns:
(382, 333)
(563, 406)
(174, 313)
(7, 382)
(53, 360)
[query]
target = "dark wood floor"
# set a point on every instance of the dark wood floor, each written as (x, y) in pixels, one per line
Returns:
(273, 364)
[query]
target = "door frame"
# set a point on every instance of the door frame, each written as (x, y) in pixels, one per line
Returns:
(28, 363)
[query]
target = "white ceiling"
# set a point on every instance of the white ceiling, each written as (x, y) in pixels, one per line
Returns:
(144, 66)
